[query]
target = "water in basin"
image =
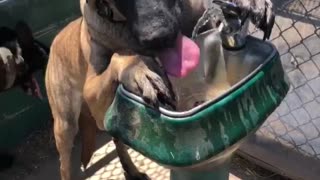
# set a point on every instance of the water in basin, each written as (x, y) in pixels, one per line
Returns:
(209, 80)
(194, 90)
(218, 71)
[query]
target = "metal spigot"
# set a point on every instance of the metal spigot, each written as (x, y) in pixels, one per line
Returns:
(233, 18)
(231, 27)
(232, 36)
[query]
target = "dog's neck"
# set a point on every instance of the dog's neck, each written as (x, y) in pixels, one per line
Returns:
(104, 37)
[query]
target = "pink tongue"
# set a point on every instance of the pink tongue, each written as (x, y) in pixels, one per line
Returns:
(182, 59)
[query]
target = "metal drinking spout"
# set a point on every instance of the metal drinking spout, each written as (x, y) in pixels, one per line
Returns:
(232, 34)
(229, 35)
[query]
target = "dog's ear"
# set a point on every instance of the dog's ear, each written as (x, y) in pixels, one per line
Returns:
(24, 34)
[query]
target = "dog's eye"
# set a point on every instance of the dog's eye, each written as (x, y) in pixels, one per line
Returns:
(108, 12)
(103, 9)
(107, 9)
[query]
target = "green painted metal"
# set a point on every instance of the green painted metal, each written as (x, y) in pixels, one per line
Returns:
(45, 17)
(21, 114)
(183, 142)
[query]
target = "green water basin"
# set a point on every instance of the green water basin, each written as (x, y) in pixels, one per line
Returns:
(209, 132)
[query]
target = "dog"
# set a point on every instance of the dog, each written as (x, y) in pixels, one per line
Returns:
(117, 41)
(20, 57)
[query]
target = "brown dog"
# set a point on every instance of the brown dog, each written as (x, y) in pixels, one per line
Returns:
(116, 41)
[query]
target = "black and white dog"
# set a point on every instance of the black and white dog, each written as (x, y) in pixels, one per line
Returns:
(20, 56)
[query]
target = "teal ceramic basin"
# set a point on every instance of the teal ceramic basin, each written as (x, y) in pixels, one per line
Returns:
(208, 132)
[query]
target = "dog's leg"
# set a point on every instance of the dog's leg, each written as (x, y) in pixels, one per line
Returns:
(88, 131)
(65, 129)
(64, 133)
(131, 171)
(65, 100)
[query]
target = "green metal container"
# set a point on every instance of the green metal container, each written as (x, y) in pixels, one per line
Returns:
(21, 114)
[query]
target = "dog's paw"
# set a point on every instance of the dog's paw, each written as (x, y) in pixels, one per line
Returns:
(147, 79)
(260, 12)
(140, 176)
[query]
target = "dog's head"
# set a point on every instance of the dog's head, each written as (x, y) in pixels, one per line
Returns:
(148, 27)
(155, 24)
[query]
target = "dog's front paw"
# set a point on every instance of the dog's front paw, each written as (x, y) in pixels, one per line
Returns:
(147, 79)
(260, 12)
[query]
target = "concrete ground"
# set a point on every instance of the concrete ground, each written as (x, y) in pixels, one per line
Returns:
(37, 159)
(104, 165)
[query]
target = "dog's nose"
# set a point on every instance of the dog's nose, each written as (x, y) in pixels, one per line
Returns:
(159, 39)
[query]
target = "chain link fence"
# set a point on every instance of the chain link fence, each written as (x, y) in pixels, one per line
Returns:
(296, 123)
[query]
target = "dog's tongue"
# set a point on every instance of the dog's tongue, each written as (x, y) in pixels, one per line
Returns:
(182, 59)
